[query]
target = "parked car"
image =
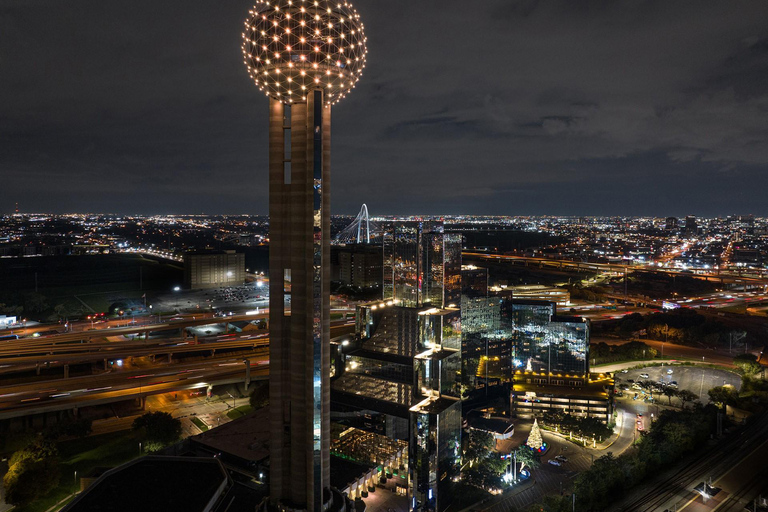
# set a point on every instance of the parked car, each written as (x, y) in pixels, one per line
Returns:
(554, 462)
(562, 458)
(670, 371)
(644, 375)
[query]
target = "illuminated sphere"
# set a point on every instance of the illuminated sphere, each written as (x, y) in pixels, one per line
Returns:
(292, 47)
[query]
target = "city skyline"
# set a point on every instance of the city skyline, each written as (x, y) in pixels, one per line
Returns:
(594, 110)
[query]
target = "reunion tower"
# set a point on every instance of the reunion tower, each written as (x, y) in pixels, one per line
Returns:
(305, 56)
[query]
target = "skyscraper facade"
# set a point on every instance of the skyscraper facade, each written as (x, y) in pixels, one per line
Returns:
(548, 345)
(422, 264)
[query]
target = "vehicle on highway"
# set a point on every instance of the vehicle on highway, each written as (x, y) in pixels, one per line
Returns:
(555, 462)
(9, 337)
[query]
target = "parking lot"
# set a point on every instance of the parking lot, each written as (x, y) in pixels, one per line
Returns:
(696, 379)
(236, 299)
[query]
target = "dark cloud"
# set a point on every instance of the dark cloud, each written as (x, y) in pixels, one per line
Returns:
(499, 106)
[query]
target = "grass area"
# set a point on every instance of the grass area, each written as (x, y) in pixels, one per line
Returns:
(239, 412)
(199, 423)
(82, 455)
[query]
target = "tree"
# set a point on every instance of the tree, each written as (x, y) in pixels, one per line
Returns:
(669, 392)
(32, 473)
(479, 444)
(10, 309)
(535, 440)
(260, 396)
(160, 429)
(686, 396)
(527, 458)
(35, 302)
(747, 363)
(723, 395)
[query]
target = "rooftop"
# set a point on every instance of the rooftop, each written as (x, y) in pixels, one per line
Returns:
(153, 483)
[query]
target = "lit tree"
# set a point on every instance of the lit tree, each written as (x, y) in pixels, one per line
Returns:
(534, 438)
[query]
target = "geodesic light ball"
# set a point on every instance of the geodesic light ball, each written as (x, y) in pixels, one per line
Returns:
(294, 46)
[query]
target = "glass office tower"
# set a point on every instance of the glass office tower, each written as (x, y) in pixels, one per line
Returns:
(545, 343)
(422, 264)
(435, 452)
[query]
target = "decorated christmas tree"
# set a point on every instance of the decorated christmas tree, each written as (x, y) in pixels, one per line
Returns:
(534, 438)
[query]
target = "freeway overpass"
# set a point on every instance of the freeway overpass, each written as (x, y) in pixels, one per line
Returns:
(53, 350)
(68, 394)
(48, 396)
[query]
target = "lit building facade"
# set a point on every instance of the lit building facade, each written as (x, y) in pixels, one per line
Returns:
(405, 363)
(213, 269)
(545, 343)
(422, 264)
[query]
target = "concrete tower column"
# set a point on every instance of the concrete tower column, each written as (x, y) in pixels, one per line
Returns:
(299, 257)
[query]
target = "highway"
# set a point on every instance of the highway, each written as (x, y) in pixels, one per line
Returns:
(41, 396)
(123, 327)
(55, 351)
(65, 394)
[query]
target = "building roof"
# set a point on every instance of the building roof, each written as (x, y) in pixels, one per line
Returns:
(153, 483)
(247, 438)
(498, 426)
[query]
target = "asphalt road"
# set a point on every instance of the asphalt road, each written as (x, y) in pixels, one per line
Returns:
(114, 386)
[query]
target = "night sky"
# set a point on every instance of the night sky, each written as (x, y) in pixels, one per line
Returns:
(479, 107)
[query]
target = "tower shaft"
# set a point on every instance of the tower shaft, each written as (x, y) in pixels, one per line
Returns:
(299, 258)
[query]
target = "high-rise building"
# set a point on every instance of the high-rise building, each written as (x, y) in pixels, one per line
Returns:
(209, 269)
(405, 364)
(474, 281)
(691, 226)
(358, 265)
(671, 223)
(552, 348)
(280, 52)
(422, 264)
